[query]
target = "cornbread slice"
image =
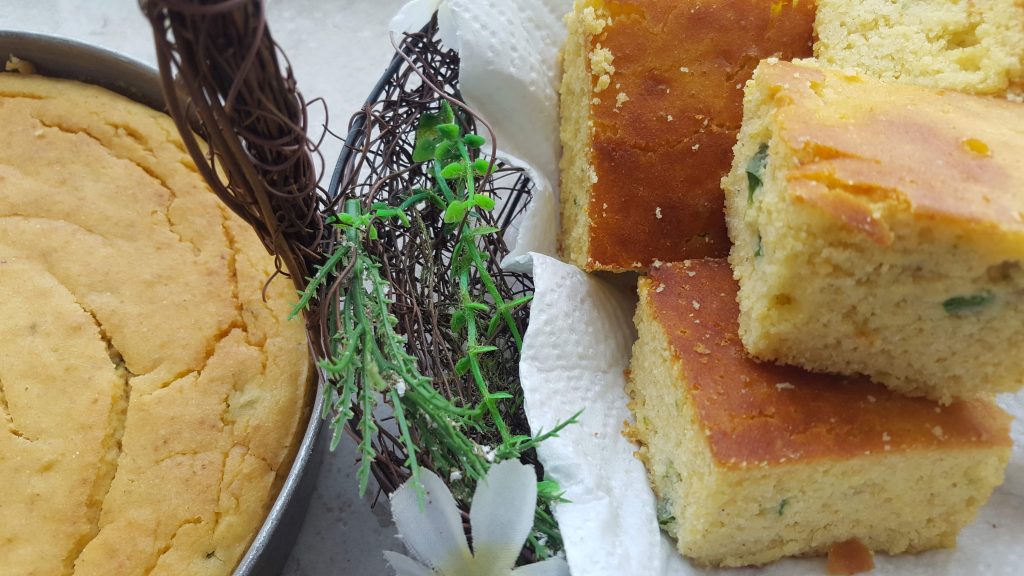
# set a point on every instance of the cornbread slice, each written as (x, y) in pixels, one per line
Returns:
(651, 103)
(879, 229)
(151, 399)
(972, 46)
(755, 461)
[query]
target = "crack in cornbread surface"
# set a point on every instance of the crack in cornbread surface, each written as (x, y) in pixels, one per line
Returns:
(756, 461)
(888, 235)
(651, 103)
(152, 399)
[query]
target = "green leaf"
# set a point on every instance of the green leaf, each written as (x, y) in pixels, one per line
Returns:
(755, 171)
(475, 350)
(492, 326)
(501, 396)
(519, 301)
(967, 304)
(474, 140)
(477, 306)
(549, 489)
(462, 366)
(427, 136)
(453, 171)
(483, 230)
(449, 131)
(484, 202)
(482, 166)
(447, 112)
(456, 212)
(458, 321)
(444, 151)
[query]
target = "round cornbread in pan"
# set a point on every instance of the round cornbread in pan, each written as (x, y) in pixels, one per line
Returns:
(151, 400)
(754, 461)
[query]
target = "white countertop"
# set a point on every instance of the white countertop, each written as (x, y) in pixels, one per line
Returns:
(338, 49)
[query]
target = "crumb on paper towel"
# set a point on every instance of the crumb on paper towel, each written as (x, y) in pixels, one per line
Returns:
(850, 557)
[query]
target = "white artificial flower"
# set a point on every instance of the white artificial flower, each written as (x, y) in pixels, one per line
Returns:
(501, 517)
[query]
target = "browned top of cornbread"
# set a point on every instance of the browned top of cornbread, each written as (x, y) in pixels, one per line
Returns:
(860, 144)
(756, 412)
(660, 155)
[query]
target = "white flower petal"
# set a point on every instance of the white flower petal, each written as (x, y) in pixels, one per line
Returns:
(552, 567)
(405, 566)
(502, 512)
(432, 533)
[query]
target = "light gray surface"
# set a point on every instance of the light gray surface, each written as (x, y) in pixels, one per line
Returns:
(338, 49)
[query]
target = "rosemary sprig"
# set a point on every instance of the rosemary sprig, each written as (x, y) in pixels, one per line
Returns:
(368, 360)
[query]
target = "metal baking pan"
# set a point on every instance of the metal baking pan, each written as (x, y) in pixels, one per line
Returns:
(64, 58)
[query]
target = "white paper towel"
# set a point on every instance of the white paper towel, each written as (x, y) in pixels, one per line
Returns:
(581, 332)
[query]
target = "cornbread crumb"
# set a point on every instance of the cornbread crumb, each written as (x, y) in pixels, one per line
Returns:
(975, 46)
(15, 64)
(601, 66)
(850, 557)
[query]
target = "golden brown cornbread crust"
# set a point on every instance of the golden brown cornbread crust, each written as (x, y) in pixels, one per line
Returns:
(759, 412)
(926, 152)
(651, 103)
(151, 400)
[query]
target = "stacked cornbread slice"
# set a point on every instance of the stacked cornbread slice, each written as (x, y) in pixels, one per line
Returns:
(879, 229)
(755, 461)
(877, 222)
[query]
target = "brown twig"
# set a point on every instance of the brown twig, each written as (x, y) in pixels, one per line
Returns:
(234, 99)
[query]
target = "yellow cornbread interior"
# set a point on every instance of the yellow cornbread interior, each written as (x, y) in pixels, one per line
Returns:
(151, 401)
(972, 46)
(850, 262)
(738, 514)
(578, 175)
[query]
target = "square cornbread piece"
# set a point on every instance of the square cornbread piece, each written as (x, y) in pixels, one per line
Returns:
(651, 101)
(754, 461)
(879, 229)
(975, 46)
